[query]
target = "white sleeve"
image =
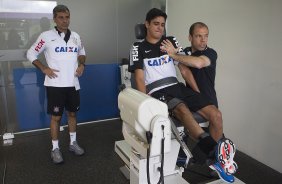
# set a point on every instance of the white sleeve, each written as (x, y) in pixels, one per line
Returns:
(81, 50)
(36, 48)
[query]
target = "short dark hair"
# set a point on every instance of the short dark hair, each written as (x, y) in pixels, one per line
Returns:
(153, 13)
(196, 24)
(60, 8)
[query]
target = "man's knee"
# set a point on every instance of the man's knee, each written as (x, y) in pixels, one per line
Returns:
(180, 110)
(216, 114)
(216, 118)
(211, 112)
(173, 103)
(55, 119)
(71, 114)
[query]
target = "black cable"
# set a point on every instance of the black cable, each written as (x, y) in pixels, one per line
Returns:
(149, 138)
(161, 169)
(148, 170)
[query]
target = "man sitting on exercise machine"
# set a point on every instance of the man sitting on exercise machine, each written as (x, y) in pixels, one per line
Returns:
(155, 75)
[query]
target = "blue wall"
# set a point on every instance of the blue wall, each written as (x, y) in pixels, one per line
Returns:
(99, 91)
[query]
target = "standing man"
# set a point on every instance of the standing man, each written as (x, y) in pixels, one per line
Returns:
(65, 57)
(155, 75)
(200, 59)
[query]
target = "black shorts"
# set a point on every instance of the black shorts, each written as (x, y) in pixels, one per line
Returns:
(180, 93)
(59, 98)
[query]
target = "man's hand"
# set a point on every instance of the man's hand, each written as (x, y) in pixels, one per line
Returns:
(79, 70)
(45, 69)
(167, 46)
(50, 72)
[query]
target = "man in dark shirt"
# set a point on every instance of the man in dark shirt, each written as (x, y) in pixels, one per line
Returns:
(200, 59)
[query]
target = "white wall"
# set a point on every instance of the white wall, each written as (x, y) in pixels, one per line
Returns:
(248, 38)
(106, 27)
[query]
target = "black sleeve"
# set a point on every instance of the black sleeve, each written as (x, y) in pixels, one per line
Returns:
(175, 43)
(135, 57)
(212, 55)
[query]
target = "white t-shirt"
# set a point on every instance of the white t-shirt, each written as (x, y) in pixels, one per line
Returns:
(156, 64)
(59, 55)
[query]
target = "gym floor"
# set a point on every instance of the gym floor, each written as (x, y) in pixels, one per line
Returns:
(28, 160)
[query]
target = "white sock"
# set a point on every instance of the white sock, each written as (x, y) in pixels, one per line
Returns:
(72, 137)
(55, 144)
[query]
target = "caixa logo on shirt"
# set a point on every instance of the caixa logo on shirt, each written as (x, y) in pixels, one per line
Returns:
(66, 49)
(159, 61)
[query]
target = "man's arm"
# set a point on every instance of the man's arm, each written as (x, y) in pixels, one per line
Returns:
(45, 69)
(192, 61)
(81, 64)
(139, 79)
(81, 60)
(136, 66)
(32, 54)
(188, 77)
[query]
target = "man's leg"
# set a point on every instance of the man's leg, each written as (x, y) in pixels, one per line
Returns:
(223, 162)
(74, 147)
(54, 127)
(214, 116)
(206, 142)
(184, 115)
(56, 154)
(225, 150)
(72, 121)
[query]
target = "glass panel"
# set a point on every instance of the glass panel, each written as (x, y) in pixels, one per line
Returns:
(106, 29)
(20, 24)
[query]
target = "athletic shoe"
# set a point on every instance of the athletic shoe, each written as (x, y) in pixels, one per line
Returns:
(56, 156)
(76, 149)
(221, 173)
(224, 155)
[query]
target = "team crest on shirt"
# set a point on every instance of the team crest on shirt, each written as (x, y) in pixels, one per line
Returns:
(159, 60)
(56, 109)
(75, 41)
